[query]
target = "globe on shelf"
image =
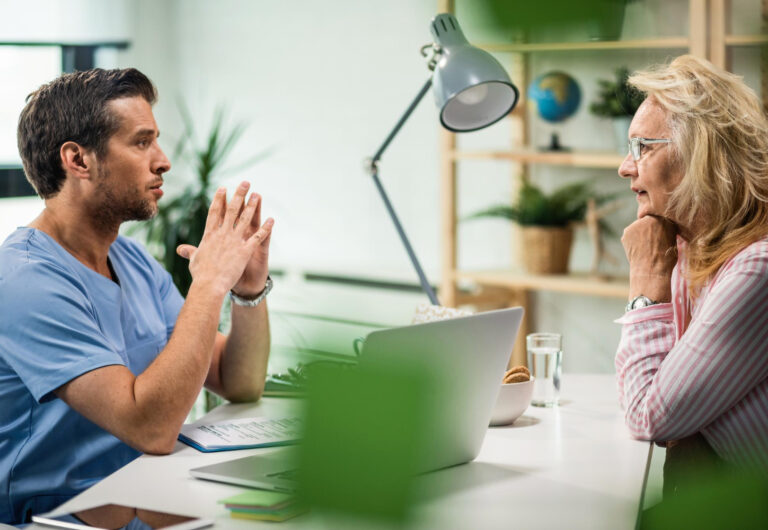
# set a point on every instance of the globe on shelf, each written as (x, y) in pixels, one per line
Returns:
(557, 96)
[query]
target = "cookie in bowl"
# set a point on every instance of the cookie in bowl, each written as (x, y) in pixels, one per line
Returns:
(514, 396)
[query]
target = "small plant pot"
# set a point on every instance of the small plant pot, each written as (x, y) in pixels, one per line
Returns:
(546, 250)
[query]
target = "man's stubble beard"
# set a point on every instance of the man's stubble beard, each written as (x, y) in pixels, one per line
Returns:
(113, 210)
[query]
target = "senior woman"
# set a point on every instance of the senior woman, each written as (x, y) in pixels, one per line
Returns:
(692, 364)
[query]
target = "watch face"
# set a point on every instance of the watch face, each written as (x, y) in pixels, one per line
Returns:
(639, 301)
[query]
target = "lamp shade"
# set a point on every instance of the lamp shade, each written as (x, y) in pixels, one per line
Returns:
(471, 88)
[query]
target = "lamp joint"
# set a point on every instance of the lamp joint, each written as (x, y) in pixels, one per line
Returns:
(432, 52)
(371, 165)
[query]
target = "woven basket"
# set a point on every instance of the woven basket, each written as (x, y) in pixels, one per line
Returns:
(546, 250)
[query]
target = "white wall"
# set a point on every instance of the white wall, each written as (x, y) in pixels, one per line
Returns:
(321, 87)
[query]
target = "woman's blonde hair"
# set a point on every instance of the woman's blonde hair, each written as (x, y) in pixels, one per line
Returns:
(720, 141)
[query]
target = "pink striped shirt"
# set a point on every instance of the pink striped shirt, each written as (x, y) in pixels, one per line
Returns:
(710, 376)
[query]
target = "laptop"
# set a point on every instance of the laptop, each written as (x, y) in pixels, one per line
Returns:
(470, 354)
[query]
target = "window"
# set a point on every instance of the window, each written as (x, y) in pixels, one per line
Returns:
(23, 68)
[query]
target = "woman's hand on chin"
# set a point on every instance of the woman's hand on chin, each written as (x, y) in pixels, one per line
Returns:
(650, 244)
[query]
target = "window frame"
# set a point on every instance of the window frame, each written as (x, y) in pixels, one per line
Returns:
(74, 57)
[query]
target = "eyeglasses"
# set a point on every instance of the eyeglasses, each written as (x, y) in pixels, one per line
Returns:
(636, 143)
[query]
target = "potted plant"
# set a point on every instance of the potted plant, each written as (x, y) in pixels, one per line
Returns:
(546, 224)
(619, 102)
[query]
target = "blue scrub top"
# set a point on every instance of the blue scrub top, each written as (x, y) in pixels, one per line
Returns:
(58, 320)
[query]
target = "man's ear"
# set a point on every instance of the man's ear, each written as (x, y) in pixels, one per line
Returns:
(76, 160)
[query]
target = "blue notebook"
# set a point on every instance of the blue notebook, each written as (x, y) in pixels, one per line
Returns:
(246, 433)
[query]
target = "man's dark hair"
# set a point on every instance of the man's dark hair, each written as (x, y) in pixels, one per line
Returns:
(73, 107)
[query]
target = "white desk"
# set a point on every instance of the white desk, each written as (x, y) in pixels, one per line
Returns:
(574, 466)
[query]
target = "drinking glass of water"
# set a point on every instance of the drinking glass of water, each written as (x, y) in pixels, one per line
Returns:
(545, 354)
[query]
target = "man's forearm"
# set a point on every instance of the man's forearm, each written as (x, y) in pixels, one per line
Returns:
(169, 386)
(147, 411)
(243, 365)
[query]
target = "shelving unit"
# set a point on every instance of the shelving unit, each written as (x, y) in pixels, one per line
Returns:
(592, 159)
(745, 40)
(563, 283)
(668, 43)
(721, 41)
(708, 37)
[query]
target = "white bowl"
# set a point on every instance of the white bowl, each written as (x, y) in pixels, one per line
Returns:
(513, 399)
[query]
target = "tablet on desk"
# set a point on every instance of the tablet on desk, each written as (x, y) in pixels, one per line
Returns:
(114, 516)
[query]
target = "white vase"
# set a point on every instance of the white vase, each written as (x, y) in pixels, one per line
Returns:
(621, 132)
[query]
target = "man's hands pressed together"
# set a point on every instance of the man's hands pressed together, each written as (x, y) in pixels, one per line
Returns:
(234, 251)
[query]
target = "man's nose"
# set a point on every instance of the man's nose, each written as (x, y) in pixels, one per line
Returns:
(628, 167)
(161, 164)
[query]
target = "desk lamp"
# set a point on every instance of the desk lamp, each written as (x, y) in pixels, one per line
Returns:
(471, 90)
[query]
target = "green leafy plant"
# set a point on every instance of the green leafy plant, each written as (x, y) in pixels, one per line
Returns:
(562, 207)
(616, 98)
(182, 219)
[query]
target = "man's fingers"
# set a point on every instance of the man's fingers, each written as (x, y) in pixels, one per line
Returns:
(186, 251)
(256, 220)
(263, 233)
(246, 217)
(215, 210)
(235, 205)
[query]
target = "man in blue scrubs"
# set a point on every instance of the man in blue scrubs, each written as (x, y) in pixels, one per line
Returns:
(101, 358)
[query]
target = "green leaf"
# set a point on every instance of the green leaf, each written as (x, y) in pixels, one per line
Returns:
(616, 98)
(563, 206)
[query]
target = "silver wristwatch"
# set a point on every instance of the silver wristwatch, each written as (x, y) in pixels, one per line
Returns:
(639, 301)
(246, 302)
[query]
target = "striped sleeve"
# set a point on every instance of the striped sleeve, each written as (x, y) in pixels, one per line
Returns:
(672, 388)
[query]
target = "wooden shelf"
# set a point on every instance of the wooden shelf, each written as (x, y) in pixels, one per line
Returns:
(662, 43)
(746, 40)
(569, 283)
(592, 159)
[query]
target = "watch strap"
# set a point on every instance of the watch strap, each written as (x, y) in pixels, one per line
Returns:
(252, 302)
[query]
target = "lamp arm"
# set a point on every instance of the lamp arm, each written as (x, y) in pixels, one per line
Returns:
(374, 170)
(411, 254)
(401, 121)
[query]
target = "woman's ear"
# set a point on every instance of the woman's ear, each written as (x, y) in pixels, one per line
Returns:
(76, 160)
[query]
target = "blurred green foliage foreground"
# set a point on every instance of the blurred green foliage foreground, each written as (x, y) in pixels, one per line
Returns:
(713, 500)
(366, 433)
(525, 20)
